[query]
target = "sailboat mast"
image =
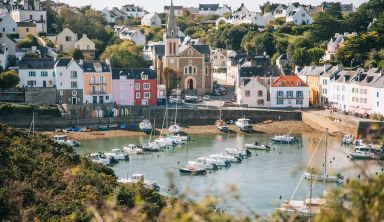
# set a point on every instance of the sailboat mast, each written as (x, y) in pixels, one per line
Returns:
(176, 113)
(325, 157)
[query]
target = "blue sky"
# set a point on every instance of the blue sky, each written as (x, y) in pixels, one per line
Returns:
(157, 5)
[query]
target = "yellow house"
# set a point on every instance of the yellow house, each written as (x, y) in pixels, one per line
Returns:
(26, 28)
(97, 82)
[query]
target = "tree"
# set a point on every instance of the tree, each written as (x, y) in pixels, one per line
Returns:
(28, 41)
(365, 200)
(125, 55)
(77, 54)
(171, 79)
(9, 79)
(254, 42)
(316, 54)
(301, 57)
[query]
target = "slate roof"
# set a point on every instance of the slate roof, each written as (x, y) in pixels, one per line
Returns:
(365, 78)
(312, 71)
(159, 50)
(379, 83)
(26, 24)
(343, 76)
(211, 7)
(63, 62)
(246, 72)
(133, 73)
(331, 72)
(33, 63)
(89, 66)
(203, 49)
(175, 7)
(289, 81)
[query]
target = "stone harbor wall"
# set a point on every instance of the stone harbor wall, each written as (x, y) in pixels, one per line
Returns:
(41, 96)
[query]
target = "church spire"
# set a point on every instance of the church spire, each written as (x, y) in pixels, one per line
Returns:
(172, 30)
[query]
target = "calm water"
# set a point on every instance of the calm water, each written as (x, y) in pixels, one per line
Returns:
(259, 180)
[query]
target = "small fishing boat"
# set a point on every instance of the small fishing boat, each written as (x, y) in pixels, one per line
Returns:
(217, 162)
(192, 171)
(133, 149)
(62, 139)
(222, 126)
(164, 141)
(207, 166)
(139, 178)
(347, 139)
(151, 147)
(102, 158)
(237, 152)
(117, 154)
(367, 153)
(244, 125)
(179, 137)
(257, 146)
(284, 139)
(226, 157)
(146, 126)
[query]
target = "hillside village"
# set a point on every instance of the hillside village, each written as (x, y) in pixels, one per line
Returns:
(292, 56)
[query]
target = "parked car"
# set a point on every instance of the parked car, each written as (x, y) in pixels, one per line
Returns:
(206, 98)
(229, 104)
(73, 129)
(191, 99)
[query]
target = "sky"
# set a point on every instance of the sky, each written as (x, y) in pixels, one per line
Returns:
(158, 5)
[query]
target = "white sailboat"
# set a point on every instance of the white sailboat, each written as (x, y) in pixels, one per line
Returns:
(221, 124)
(310, 206)
(146, 126)
(175, 129)
(324, 177)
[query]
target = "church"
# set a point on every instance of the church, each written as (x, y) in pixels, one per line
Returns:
(191, 61)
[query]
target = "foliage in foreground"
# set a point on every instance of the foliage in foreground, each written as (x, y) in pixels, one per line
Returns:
(44, 181)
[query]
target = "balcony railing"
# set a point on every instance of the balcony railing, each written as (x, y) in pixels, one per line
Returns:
(290, 97)
(98, 83)
(97, 92)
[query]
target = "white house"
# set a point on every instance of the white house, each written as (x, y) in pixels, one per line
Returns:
(208, 9)
(219, 58)
(112, 15)
(377, 95)
(339, 92)
(289, 91)
(9, 43)
(360, 92)
(151, 20)
(30, 11)
(3, 56)
(37, 72)
(253, 92)
(86, 46)
(242, 9)
(134, 35)
(7, 24)
(66, 40)
(69, 81)
(324, 83)
(133, 11)
(299, 17)
(282, 12)
(268, 18)
(336, 43)
(223, 10)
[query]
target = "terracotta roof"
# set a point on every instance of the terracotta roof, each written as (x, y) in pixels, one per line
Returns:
(289, 81)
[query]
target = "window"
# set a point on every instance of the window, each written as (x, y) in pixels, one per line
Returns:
(74, 85)
(44, 74)
(94, 89)
(61, 93)
(102, 79)
(137, 86)
(74, 93)
(280, 83)
(299, 94)
(32, 74)
(378, 103)
(68, 38)
(280, 102)
(338, 88)
(247, 93)
(299, 102)
(343, 88)
(144, 77)
(206, 70)
(93, 80)
(147, 95)
(280, 94)
(54, 73)
(378, 94)
(290, 94)
(102, 89)
(260, 102)
(27, 30)
(31, 83)
(73, 74)
(146, 86)
(137, 95)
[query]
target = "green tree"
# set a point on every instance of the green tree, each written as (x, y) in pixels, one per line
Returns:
(254, 42)
(28, 41)
(171, 79)
(125, 55)
(9, 79)
(77, 54)
(316, 54)
(301, 57)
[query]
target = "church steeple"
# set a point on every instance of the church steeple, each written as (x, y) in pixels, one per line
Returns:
(172, 30)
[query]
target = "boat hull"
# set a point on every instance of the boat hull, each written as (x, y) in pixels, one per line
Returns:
(192, 171)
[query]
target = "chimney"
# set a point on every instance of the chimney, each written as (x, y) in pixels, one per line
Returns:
(81, 62)
(339, 67)
(84, 35)
(108, 62)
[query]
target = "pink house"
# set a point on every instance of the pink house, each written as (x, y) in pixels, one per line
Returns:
(123, 87)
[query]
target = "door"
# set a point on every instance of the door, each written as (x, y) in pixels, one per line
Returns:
(101, 99)
(74, 100)
(94, 99)
(44, 83)
(190, 84)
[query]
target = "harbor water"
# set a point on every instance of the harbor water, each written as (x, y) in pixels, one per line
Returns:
(263, 181)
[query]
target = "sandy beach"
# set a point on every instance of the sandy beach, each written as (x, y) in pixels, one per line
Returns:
(293, 127)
